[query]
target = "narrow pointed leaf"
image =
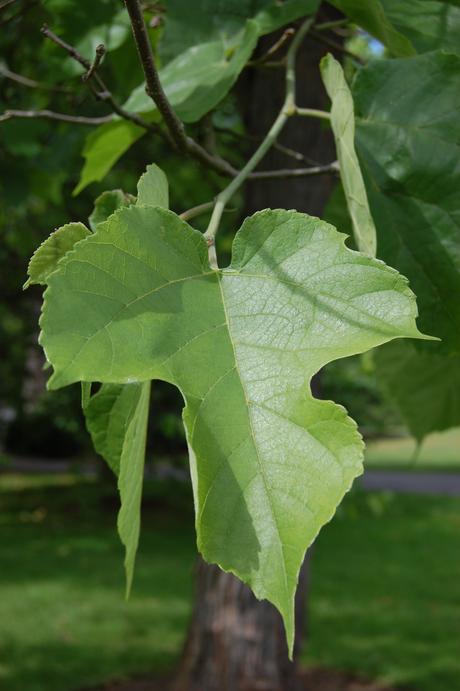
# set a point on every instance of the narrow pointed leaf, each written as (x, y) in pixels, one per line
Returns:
(269, 463)
(45, 259)
(343, 126)
(116, 417)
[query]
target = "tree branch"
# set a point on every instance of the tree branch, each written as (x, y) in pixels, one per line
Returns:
(100, 52)
(102, 92)
(51, 115)
(155, 90)
(295, 172)
(153, 87)
(287, 110)
(31, 83)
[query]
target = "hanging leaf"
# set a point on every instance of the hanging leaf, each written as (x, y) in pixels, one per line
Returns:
(343, 126)
(45, 259)
(117, 417)
(269, 463)
(424, 386)
(408, 141)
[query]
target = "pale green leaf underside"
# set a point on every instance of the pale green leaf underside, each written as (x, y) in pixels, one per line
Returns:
(45, 259)
(424, 386)
(343, 126)
(269, 463)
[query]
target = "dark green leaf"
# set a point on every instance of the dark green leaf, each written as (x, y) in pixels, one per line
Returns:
(408, 140)
(424, 386)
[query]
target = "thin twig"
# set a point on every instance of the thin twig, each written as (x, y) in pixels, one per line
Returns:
(313, 113)
(5, 3)
(31, 83)
(295, 172)
(102, 92)
(51, 115)
(288, 109)
(153, 86)
(284, 38)
(324, 26)
(155, 90)
(318, 36)
(196, 211)
(100, 52)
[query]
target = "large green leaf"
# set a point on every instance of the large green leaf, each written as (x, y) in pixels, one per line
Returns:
(45, 259)
(407, 27)
(343, 126)
(269, 463)
(210, 43)
(424, 386)
(408, 140)
(117, 417)
(428, 24)
(191, 24)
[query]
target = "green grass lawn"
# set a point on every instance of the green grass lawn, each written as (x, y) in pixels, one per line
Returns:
(385, 596)
(440, 451)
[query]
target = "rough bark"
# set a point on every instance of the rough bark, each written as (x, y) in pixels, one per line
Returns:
(236, 643)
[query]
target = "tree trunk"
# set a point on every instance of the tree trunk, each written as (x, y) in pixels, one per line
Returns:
(236, 643)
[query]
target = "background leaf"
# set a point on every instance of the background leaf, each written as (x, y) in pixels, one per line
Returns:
(424, 386)
(269, 463)
(408, 140)
(407, 27)
(103, 147)
(106, 204)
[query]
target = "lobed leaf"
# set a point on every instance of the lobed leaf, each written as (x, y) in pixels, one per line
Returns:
(269, 463)
(343, 126)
